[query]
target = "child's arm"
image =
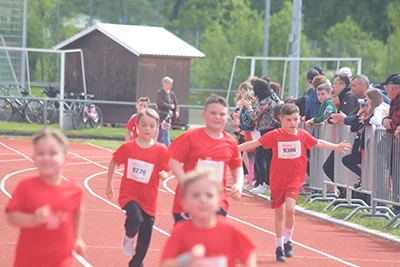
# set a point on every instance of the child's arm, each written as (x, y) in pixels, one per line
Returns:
(249, 145)
(177, 169)
(28, 220)
(343, 146)
(78, 228)
(127, 135)
(110, 176)
(237, 187)
(251, 261)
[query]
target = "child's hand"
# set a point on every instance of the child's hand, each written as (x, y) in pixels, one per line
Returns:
(163, 175)
(198, 251)
(362, 119)
(80, 246)
(310, 122)
(110, 191)
(343, 146)
(42, 214)
(397, 132)
(236, 192)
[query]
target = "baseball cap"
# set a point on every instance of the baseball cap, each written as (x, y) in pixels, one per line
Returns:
(393, 78)
(311, 74)
(345, 71)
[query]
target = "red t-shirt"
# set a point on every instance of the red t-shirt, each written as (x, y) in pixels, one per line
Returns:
(131, 126)
(289, 158)
(49, 244)
(196, 148)
(224, 242)
(140, 181)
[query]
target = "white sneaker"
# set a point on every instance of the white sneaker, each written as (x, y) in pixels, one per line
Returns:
(261, 189)
(128, 246)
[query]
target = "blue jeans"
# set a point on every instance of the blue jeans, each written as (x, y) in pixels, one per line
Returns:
(164, 137)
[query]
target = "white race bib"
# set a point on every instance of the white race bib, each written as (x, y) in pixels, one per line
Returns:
(289, 150)
(139, 171)
(219, 261)
(216, 166)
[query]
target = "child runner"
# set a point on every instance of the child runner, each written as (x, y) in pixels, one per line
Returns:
(208, 239)
(288, 170)
(46, 208)
(207, 147)
(144, 160)
(131, 133)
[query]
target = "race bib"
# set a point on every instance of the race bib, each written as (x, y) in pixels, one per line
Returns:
(220, 261)
(289, 150)
(216, 166)
(139, 171)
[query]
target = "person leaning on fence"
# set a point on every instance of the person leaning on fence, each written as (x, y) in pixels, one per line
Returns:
(392, 122)
(168, 109)
(288, 169)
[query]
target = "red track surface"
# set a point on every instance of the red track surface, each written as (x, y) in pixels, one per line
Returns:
(316, 243)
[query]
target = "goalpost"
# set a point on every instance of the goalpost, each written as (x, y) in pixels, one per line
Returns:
(62, 69)
(286, 60)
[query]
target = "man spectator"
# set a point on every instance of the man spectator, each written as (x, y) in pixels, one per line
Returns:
(392, 84)
(167, 107)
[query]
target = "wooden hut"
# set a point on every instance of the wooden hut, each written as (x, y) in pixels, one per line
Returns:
(124, 62)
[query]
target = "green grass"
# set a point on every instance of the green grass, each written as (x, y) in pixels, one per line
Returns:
(104, 131)
(341, 213)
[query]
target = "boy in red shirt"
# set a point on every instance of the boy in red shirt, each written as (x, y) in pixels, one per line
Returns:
(206, 239)
(47, 208)
(288, 170)
(207, 147)
(131, 133)
(144, 160)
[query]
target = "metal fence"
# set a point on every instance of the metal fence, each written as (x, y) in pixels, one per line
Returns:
(380, 168)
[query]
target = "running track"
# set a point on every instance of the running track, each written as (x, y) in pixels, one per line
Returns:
(316, 243)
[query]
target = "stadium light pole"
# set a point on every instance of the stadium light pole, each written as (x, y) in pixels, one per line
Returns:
(294, 39)
(266, 36)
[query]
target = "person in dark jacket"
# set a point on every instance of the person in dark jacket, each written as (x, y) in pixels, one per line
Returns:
(168, 109)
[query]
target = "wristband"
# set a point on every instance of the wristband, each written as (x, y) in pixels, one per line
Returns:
(183, 260)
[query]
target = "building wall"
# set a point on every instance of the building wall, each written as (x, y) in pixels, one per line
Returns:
(115, 74)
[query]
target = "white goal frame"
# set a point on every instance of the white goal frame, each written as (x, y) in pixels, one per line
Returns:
(62, 69)
(286, 60)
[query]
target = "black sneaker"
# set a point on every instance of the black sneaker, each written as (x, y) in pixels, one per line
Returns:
(279, 254)
(288, 249)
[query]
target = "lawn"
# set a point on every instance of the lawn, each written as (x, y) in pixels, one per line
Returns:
(19, 127)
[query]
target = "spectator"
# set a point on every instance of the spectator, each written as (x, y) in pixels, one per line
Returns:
(393, 90)
(345, 71)
(167, 107)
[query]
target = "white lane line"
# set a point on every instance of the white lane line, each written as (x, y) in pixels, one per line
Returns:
(78, 257)
(12, 160)
(165, 184)
(89, 189)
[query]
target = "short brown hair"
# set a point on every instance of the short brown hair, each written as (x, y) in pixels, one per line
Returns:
(343, 79)
(318, 80)
(324, 87)
(56, 134)
(197, 175)
(289, 109)
(216, 99)
(144, 99)
(149, 112)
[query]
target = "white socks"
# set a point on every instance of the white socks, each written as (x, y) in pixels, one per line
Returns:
(279, 242)
(288, 234)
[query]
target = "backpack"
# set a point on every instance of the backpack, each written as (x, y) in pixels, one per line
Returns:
(246, 123)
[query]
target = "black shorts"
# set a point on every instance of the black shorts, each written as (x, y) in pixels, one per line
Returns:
(185, 216)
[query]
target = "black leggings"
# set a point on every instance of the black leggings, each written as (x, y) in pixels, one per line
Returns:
(137, 221)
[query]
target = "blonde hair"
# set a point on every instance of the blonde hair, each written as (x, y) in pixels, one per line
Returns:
(250, 97)
(197, 175)
(246, 86)
(56, 134)
(376, 99)
(148, 112)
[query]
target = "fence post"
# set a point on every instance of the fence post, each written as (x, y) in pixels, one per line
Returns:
(45, 115)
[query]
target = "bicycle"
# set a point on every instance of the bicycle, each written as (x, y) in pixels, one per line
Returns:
(84, 112)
